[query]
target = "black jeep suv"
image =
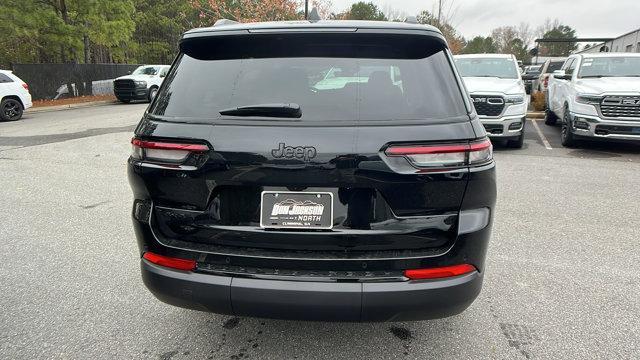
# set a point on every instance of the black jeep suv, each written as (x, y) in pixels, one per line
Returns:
(327, 170)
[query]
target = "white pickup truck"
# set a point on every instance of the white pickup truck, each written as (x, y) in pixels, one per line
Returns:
(142, 84)
(596, 96)
(498, 94)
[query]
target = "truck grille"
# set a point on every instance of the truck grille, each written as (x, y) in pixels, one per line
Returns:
(620, 106)
(124, 84)
(488, 105)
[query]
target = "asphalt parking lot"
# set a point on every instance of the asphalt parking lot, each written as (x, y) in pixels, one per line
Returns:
(562, 278)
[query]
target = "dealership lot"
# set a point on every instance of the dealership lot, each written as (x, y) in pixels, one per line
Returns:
(561, 278)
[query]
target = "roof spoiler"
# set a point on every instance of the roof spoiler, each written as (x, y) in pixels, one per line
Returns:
(224, 22)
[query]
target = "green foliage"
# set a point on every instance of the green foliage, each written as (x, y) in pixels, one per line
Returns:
(562, 48)
(48, 31)
(365, 11)
(159, 26)
(480, 45)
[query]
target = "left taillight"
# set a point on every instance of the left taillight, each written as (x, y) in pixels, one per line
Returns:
(25, 86)
(170, 262)
(445, 156)
(161, 151)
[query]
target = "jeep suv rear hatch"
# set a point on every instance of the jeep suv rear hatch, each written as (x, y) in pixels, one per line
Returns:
(308, 145)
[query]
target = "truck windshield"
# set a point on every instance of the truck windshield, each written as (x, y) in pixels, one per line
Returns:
(146, 70)
(487, 67)
(610, 67)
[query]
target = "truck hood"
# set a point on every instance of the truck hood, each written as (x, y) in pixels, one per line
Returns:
(135, 77)
(483, 85)
(608, 85)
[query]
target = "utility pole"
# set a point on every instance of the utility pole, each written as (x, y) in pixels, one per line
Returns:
(306, 9)
(439, 11)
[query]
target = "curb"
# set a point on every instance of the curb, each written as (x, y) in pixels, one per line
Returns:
(69, 106)
(535, 115)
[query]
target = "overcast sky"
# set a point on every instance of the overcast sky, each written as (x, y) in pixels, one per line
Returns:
(590, 18)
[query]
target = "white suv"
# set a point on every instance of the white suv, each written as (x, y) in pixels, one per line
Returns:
(14, 96)
(596, 96)
(498, 94)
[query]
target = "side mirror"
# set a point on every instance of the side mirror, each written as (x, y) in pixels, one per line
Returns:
(561, 75)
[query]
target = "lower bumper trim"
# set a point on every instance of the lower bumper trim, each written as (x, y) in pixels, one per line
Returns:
(319, 301)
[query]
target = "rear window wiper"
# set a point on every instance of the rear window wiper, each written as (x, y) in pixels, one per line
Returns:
(290, 110)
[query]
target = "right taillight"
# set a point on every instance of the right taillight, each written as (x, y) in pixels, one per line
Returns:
(444, 155)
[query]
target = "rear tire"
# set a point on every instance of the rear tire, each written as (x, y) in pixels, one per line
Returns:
(550, 118)
(11, 110)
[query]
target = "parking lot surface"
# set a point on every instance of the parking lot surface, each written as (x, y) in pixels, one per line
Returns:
(561, 279)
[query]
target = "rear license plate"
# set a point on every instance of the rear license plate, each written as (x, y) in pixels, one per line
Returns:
(296, 210)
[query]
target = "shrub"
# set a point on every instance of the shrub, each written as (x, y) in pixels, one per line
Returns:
(537, 99)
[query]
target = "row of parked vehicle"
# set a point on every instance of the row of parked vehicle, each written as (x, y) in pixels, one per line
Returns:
(594, 96)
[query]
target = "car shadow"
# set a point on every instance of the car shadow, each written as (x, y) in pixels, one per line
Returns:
(239, 338)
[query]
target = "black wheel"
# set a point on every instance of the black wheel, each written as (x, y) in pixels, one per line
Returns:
(152, 93)
(519, 142)
(566, 136)
(10, 110)
(550, 118)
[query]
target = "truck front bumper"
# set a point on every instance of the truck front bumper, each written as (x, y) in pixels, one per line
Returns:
(598, 128)
(506, 127)
(307, 300)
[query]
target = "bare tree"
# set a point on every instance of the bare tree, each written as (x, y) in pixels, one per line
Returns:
(392, 13)
(526, 34)
(547, 26)
(445, 11)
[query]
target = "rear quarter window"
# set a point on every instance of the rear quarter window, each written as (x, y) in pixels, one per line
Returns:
(4, 78)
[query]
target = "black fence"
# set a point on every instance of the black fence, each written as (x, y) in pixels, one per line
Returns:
(56, 81)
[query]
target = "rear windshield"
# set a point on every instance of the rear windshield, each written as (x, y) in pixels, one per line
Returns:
(326, 88)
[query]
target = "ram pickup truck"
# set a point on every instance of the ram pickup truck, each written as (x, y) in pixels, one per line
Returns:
(142, 84)
(498, 94)
(596, 96)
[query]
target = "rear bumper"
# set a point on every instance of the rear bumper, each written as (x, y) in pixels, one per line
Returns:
(319, 301)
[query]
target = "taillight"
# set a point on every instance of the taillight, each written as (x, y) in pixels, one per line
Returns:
(161, 151)
(440, 272)
(25, 86)
(170, 262)
(445, 155)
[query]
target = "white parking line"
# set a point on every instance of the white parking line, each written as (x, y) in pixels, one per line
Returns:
(542, 137)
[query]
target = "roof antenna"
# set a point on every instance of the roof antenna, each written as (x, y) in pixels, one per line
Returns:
(314, 15)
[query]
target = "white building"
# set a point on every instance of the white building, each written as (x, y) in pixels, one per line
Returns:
(629, 42)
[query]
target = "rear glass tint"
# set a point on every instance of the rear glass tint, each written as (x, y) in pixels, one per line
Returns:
(327, 88)
(554, 65)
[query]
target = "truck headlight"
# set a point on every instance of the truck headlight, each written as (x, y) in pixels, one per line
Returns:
(141, 83)
(514, 99)
(588, 99)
